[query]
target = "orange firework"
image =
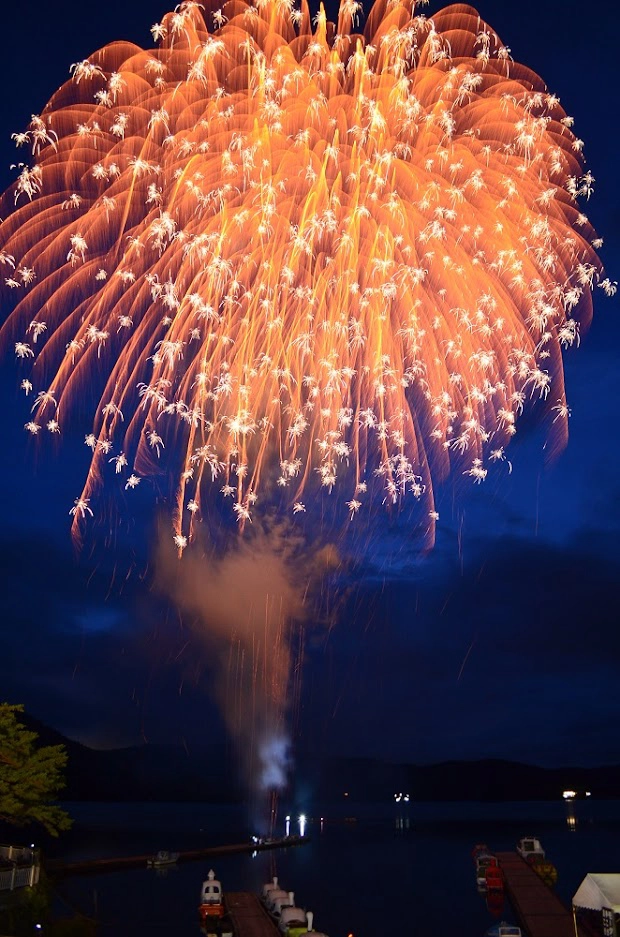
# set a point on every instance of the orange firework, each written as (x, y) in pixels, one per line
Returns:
(299, 260)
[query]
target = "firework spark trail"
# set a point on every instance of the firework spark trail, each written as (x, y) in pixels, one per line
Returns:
(298, 259)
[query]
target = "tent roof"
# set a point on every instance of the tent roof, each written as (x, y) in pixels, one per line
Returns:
(599, 890)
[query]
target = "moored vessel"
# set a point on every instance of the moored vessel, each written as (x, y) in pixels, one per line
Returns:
(211, 898)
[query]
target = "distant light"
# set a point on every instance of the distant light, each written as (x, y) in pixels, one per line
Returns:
(569, 795)
(288, 819)
(346, 793)
(588, 794)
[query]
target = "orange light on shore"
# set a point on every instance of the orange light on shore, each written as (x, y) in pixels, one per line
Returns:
(296, 260)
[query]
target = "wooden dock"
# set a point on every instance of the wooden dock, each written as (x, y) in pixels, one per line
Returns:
(117, 863)
(249, 917)
(539, 911)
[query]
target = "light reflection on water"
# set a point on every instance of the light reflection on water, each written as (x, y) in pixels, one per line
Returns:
(364, 870)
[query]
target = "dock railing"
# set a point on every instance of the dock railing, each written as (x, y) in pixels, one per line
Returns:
(20, 867)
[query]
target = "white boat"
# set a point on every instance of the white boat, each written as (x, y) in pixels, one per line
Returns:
(279, 901)
(530, 848)
(269, 887)
(293, 921)
(162, 858)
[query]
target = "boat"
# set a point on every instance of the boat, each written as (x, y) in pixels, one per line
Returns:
(530, 849)
(280, 901)
(484, 862)
(494, 878)
(480, 849)
(293, 925)
(211, 898)
(161, 859)
(504, 930)
(273, 885)
(546, 870)
(217, 927)
(495, 902)
(294, 921)
(291, 920)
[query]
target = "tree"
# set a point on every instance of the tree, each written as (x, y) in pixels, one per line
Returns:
(30, 777)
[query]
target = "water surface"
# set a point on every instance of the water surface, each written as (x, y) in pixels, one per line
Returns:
(367, 870)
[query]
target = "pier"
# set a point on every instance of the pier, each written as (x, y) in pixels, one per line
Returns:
(248, 916)
(538, 910)
(117, 863)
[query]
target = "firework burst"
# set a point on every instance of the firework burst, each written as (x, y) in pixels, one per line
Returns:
(297, 260)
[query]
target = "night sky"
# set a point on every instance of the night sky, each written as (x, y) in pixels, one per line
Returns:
(502, 642)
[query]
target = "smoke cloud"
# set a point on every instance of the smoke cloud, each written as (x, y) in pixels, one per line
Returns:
(246, 605)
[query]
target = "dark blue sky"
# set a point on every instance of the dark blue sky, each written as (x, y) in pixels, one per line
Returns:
(502, 642)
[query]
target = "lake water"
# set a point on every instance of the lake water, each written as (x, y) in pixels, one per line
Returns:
(390, 870)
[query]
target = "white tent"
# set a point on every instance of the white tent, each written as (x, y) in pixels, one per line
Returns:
(598, 891)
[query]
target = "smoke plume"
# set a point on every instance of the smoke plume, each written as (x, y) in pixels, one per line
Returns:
(245, 606)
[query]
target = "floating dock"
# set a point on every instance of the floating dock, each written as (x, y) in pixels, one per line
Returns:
(248, 915)
(117, 863)
(539, 911)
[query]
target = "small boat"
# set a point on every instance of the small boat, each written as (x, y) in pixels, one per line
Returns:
(217, 927)
(161, 859)
(480, 849)
(530, 849)
(504, 930)
(278, 902)
(294, 921)
(494, 878)
(546, 870)
(495, 902)
(293, 926)
(211, 898)
(273, 885)
(484, 862)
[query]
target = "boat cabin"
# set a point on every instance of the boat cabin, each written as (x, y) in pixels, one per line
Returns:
(530, 848)
(211, 897)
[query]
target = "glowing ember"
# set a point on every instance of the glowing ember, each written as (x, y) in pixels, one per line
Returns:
(293, 260)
